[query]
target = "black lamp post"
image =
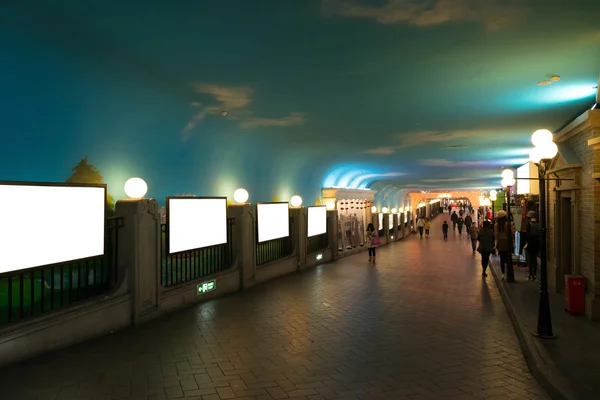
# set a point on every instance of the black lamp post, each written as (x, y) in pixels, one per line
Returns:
(508, 180)
(544, 151)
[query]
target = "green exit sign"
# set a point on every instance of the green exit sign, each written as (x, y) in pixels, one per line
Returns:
(206, 287)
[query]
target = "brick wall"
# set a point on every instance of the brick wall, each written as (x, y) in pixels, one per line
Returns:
(587, 200)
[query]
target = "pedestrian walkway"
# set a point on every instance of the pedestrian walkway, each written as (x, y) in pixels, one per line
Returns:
(571, 363)
(421, 324)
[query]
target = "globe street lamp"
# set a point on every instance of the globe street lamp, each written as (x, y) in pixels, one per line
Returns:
(508, 180)
(545, 150)
(493, 198)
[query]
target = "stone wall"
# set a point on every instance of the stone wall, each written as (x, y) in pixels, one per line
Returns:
(584, 190)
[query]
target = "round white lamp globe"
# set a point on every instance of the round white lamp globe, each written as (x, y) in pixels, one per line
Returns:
(373, 209)
(296, 201)
(241, 195)
(508, 173)
(394, 210)
(540, 137)
(535, 155)
(135, 188)
(330, 205)
(493, 197)
(384, 210)
(548, 150)
(493, 193)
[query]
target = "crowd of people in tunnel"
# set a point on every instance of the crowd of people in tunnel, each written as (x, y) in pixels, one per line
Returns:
(494, 234)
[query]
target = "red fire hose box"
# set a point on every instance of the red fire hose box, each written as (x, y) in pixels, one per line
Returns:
(575, 294)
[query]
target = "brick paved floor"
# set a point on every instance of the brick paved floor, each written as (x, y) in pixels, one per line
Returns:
(422, 324)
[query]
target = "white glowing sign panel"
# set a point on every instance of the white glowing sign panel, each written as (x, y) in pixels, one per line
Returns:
(317, 220)
(45, 225)
(196, 222)
(273, 221)
(523, 182)
(380, 221)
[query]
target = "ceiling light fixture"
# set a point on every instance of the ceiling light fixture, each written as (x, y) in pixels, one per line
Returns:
(555, 78)
(543, 83)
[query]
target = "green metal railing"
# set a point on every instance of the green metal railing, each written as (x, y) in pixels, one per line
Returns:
(180, 268)
(34, 292)
(317, 243)
(276, 249)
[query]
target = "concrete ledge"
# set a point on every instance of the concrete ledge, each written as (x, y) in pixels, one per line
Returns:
(63, 328)
(185, 295)
(276, 269)
(311, 259)
(351, 252)
(540, 365)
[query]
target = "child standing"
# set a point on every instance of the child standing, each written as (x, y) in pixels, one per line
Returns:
(427, 226)
(445, 229)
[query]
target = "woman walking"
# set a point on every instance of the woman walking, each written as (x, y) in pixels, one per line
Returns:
(421, 226)
(474, 232)
(504, 240)
(371, 236)
(486, 245)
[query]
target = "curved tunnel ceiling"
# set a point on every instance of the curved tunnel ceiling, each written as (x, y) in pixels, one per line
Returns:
(284, 98)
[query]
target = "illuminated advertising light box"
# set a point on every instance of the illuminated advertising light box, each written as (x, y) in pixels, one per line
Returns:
(390, 221)
(380, 221)
(46, 224)
(317, 220)
(273, 221)
(196, 222)
(524, 184)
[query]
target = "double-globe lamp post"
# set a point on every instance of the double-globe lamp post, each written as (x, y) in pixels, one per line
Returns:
(545, 150)
(493, 198)
(508, 180)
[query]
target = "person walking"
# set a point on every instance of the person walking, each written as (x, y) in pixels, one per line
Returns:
(421, 226)
(468, 222)
(533, 244)
(486, 245)
(427, 226)
(474, 233)
(454, 218)
(460, 222)
(370, 242)
(504, 240)
(445, 227)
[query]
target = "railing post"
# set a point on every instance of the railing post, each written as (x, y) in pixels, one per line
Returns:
(139, 255)
(244, 241)
(299, 214)
(332, 232)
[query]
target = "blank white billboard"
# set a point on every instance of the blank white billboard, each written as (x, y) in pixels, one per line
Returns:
(523, 183)
(380, 221)
(317, 220)
(44, 225)
(196, 222)
(390, 221)
(273, 221)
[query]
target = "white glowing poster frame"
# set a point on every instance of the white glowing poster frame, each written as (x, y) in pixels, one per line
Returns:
(273, 220)
(317, 220)
(45, 224)
(195, 223)
(380, 226)
(523, 182)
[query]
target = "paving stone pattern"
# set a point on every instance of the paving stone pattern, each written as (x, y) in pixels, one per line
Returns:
(422, 324)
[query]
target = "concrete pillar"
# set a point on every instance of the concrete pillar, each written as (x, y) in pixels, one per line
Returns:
(332, 232)
(139, 255)
(244, 241)
(386, 226)
(300, 232)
